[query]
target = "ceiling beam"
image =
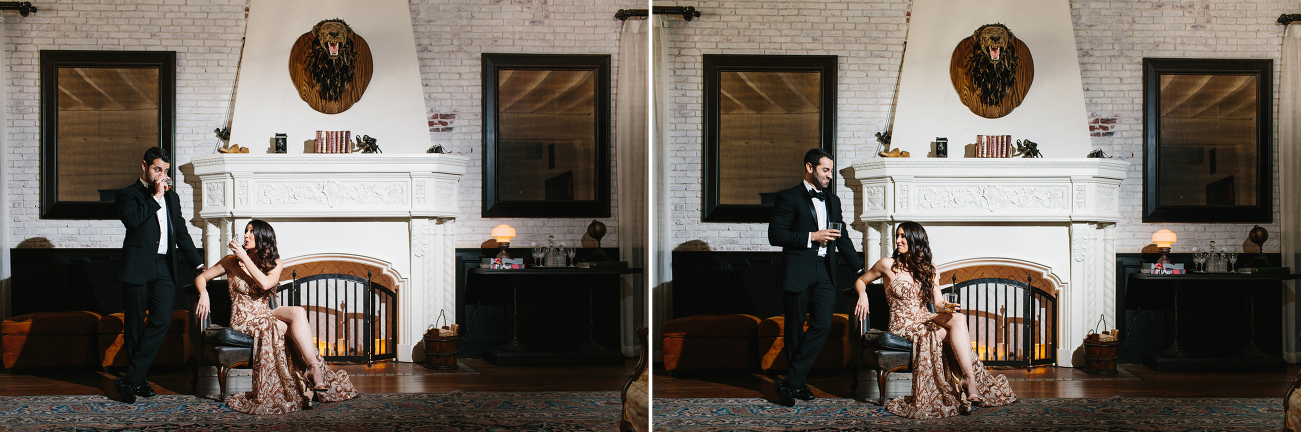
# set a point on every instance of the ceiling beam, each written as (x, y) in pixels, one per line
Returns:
(786, 79)
(82, 72)
(746, 77)
(132, 83)
(1187, 92)
(1244, 84)
(744, 108)
(74, 97)
(532, 85)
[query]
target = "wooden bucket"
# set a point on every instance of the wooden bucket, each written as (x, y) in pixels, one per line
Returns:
(440, 352)
(1100, 357)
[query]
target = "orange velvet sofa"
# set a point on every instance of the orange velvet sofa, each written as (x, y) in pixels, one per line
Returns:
(835, 352)
(50, 339)
(175, 350)
(710, 342)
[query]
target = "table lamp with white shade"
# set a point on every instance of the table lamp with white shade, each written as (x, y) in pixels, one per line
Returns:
(503, 233)
(1163, 239)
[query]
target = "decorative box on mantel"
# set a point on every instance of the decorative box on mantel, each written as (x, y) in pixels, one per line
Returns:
(393, 212)
(1054, 217)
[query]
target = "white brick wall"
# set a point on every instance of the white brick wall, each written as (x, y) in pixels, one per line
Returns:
(206, 37)
(1112, 39)
(450, 35)
(868, 38)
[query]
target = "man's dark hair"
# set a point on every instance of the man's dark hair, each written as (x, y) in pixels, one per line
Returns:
(156, 153)
(815, 155)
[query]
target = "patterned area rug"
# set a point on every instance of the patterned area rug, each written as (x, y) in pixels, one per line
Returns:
(1112, 414)
(467, 411)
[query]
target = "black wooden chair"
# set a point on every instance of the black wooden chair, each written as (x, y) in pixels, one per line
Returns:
(876, 350)
(215, 343)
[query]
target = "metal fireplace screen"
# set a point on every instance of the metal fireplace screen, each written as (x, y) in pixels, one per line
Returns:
(1011, 322)
(353, 319)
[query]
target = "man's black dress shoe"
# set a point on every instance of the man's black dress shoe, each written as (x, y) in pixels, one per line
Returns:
(803, 393)
(144, 390)
(125, 390)
(783, 393)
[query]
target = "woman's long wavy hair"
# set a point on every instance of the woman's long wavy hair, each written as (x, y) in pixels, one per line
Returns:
(265, 249)
(918, 259)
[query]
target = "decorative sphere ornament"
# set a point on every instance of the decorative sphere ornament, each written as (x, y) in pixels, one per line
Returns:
(596, 230)
(1258, 235)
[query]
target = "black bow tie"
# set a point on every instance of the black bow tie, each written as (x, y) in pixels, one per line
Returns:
(818, 194)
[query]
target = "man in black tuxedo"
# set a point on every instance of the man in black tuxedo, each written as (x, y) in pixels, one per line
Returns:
(800, 219)
(155, 234)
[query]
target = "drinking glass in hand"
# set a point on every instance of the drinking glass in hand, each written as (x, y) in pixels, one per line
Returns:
(950, 302)
(838, 226)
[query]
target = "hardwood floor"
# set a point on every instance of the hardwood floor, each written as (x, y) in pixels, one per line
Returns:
(389, 377)
(1043, 382)
(393, 377)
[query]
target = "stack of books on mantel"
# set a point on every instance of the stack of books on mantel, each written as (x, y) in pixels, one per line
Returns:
(333, 142)
(603, 264)
(994, 146)
(1163, 268)
(1265, 270)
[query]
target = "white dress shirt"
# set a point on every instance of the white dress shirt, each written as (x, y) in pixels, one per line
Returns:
(819, 210)
(162, 220)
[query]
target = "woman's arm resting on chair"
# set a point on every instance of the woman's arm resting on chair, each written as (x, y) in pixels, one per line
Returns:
(876, 271)
(201, 284)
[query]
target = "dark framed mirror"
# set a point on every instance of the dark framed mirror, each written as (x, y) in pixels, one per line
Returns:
(546, 135)
(762, 113)
(1207, 148)
(100, 111)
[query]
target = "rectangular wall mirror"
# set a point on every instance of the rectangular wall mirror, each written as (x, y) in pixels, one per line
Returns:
(762, 113)
(100, 111)
(1207, 128)
(546, 135)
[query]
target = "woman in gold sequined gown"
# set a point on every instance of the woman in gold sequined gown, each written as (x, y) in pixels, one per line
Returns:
(286, 376)
(947, 376)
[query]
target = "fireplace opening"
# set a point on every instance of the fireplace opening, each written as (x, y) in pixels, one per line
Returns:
(1011, 322)
(353, 319)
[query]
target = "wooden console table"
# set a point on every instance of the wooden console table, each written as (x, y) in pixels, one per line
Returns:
(515, 353)
(1250, 358)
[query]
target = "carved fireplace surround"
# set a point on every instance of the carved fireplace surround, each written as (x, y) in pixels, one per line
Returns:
(1054, 217)
(395, 212)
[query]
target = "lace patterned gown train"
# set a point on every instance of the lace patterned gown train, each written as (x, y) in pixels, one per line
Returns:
(937, 390)
(279, 385)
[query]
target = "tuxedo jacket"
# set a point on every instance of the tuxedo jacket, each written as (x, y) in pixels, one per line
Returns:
(793, 218)
(139, 213)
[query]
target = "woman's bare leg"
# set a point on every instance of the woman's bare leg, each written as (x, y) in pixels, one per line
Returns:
(301, 333)
(960, 341)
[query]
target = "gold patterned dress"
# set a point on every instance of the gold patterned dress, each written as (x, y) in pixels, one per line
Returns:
(937, 388)
(279, 385)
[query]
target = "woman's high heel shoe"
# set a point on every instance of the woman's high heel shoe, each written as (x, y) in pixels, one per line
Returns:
(318, 377)
(976, 400)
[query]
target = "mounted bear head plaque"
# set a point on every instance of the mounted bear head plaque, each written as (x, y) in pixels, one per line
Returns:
(330, 66)
(992, 71)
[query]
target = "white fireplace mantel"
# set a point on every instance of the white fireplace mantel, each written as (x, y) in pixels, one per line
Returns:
(1058, 214)
(396, 210)
(991, 190)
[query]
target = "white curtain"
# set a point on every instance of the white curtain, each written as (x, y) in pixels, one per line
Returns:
(6, 273)
(662, 230)
(634, 201)
(1289, 167)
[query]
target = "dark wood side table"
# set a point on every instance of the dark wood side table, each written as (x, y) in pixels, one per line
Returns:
(1175, 359)
(515, 353)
